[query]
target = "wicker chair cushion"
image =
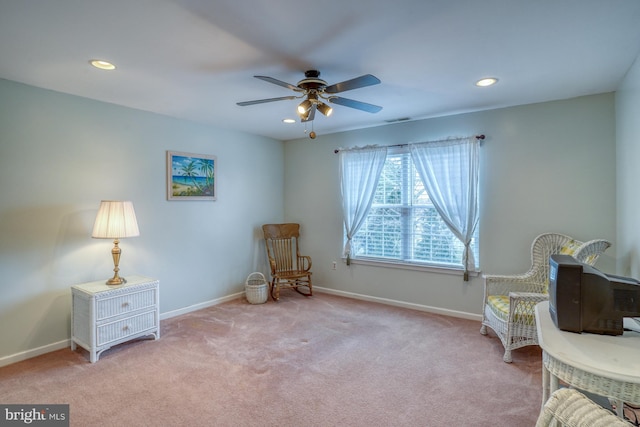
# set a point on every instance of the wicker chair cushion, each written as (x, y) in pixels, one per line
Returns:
(499, 305)
(570, 247)
(591, 259)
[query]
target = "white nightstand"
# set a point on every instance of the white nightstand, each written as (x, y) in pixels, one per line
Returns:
(103, 316)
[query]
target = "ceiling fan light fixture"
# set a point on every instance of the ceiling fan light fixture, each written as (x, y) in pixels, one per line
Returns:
(325, 109)
(304, 106)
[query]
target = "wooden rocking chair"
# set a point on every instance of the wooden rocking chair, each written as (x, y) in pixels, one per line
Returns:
(289, 269)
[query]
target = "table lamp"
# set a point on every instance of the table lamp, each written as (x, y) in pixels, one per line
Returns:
(115, 220)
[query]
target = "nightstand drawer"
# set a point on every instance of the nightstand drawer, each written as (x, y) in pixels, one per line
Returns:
(123, 328)
(117, 305)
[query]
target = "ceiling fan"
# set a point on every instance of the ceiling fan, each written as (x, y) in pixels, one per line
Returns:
(315, 91)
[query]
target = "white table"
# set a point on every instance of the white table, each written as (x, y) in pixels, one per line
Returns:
(602, 364)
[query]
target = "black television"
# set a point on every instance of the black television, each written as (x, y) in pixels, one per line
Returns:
(584, 299)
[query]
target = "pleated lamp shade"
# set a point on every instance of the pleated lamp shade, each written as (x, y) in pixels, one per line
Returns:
(115, 220)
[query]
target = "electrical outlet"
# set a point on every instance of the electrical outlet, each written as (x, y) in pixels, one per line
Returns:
(334, 265)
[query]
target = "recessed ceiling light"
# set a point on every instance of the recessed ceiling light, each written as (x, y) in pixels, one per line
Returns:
(488, 81)
(103, 65)
(288, 120)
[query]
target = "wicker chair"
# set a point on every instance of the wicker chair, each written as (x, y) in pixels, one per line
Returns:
(509, 301)
(289, 269)
(568, 407)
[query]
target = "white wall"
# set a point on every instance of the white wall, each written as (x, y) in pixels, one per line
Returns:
(628, 161)
(544, 167)
(60, 155)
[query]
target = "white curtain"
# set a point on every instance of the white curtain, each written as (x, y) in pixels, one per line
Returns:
(359, 175)
(449, 170)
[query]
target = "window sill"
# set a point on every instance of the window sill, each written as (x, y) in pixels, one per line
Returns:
(430, 268)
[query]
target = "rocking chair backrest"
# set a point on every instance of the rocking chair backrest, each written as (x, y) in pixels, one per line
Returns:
(282, 246)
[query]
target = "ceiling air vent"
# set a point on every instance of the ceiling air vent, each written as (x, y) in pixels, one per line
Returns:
(401, 119)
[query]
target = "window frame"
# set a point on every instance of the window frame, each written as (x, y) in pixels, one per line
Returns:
(406, 210)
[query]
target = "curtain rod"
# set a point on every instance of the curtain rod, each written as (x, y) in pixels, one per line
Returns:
(337, 150)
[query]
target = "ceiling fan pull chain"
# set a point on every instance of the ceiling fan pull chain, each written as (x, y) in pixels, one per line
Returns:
(312, 134)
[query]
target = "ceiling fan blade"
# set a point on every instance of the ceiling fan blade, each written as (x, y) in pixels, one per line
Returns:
(262, 101)
(312, 114)
(278, 82)
(369, 108)
(358, 82)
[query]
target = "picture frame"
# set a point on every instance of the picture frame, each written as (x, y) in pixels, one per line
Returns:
(191, 176)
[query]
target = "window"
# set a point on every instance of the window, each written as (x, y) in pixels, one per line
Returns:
(403, 225)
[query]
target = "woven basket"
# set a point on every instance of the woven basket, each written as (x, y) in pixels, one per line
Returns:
(256, 288)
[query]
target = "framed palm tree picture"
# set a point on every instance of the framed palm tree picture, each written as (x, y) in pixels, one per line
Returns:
(191, 176)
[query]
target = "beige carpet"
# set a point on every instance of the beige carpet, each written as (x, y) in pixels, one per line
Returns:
(319, 361)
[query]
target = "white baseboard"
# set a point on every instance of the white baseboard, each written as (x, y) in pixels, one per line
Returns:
(419, 307)
(200, 306)
(24, 355)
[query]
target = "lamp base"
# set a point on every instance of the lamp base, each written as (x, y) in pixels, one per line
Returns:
(116, 280)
